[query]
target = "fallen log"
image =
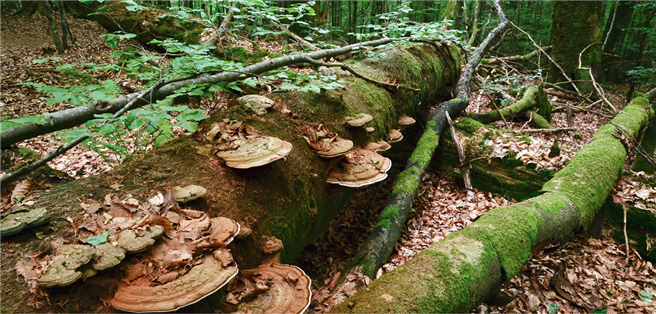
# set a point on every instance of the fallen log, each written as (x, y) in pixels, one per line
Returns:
(382, 239)
(520, 58)
(288, 199)
(469, 266)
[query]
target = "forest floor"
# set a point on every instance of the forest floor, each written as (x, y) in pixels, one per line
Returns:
(594, 272)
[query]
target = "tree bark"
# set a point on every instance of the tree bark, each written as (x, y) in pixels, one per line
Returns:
(53, 27)
(575, 26)
(287, 199)
(64, 24)
(469, 266)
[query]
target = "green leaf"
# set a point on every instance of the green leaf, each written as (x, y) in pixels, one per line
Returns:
(20, 121)
(189, 126)
(646, 296)
(553, 307)
(99, 239)
(35, 61)
(601, 310)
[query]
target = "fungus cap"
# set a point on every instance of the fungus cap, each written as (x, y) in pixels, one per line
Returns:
(22, 218)
(64, 272)
(188, 193)
(405, 121)
(379, 146)
(256, 152)
(289, 290)
(201, 281)
(131, 243)
(359, 120)
(370, 168)
(337, 148)
(107, 256)
(394, 136)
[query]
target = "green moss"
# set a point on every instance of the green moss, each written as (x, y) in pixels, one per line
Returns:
(27, 154)
(425, 147)
(468, 125)
(388, 213)
(407, 182)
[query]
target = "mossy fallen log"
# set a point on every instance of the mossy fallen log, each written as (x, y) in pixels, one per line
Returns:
(502, 175)
(469, 266)
(287, 199)
(640, 227)
(534, 97)
(148, 23)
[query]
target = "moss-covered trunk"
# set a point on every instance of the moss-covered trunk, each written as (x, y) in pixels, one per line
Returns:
(288, 199)
(575, 26)
(468, 266)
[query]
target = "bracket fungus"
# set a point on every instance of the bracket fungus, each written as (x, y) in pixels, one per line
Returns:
(64, 271)
(201, 281)
(360, 167)
(256, 103)
(394, 136)
(379, 146)
(133, 243)
(405, 121)
(272, 288)
(22, 218)
(359, 120)
(255, 152)
(188, 193)
(106, 256)
(325, 143)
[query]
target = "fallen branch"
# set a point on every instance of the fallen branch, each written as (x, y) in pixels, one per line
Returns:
(532, 98)
(461, 157)
(223, 26)
(594, 83)
(548, 131)
(299, 39)
(75, 116)
(520, 58)
(381, 242)
(24, 170)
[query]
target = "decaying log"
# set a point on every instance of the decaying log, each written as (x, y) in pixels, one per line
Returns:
(648, 143)
(288, 199)
(462, 270)
(381, 242)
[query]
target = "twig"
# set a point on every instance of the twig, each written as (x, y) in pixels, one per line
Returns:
(548, 131)
(626, 237)
(461, 157)
(224, 25)
(594, 83)
(362, 76)
(289, 33)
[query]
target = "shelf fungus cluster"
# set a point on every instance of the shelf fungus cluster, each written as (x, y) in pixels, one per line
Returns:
(326, 144)
(240, 146)
(271, 288)
(360, 167)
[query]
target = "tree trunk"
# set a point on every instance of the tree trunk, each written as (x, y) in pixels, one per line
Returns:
(469, 266)
(53, 27)
(64, 23)
(287, 199)
(576, 25)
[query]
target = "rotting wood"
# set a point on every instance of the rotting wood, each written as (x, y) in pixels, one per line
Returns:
(534, 96)
(287, 199)
(382, 239)
(468, 266)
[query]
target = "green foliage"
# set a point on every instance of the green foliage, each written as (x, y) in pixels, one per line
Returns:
(553, 308)
(8, 123)
(78, 95)
(99, 239)
(643, 76)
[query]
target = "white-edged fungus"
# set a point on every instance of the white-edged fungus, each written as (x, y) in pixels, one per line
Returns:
(359, 120)
(65, 271)
(255, 152)
(22, 218)
(405, 121)
(394, 136)
(188, 193)
(360, 167)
